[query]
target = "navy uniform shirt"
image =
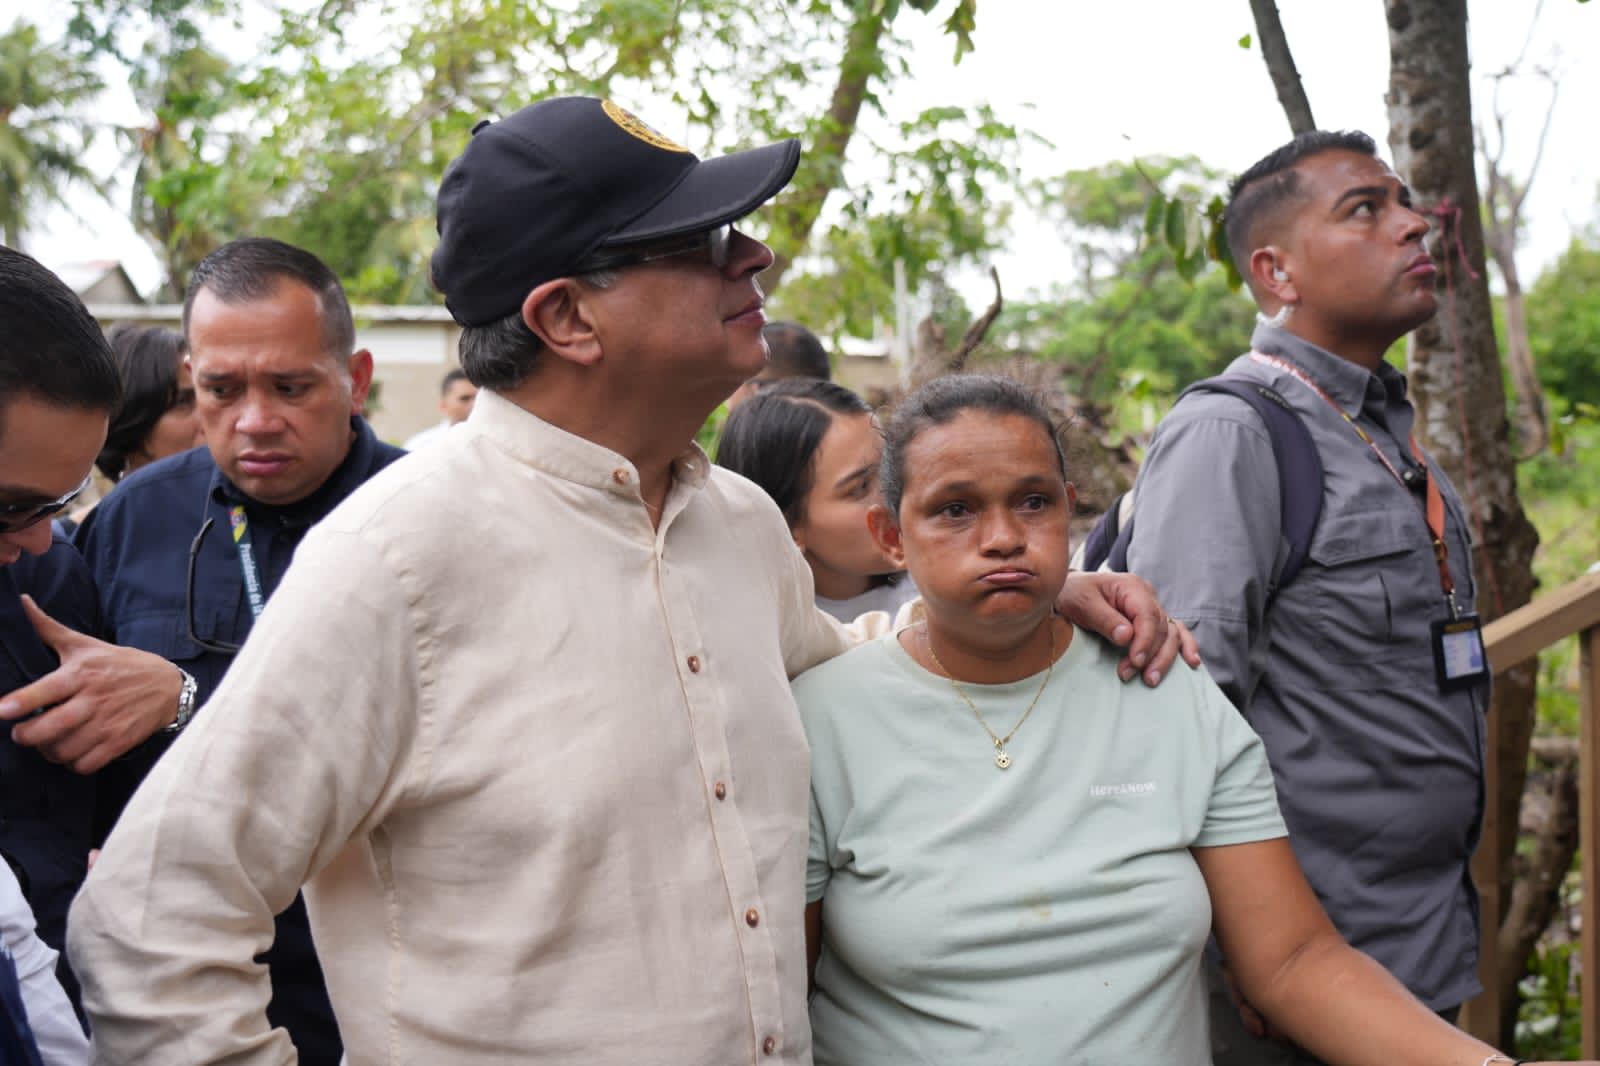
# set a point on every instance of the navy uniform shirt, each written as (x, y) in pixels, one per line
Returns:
(1379, 773)
(167, 587)
(47, 813)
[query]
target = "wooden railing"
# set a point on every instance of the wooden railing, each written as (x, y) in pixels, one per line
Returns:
(1511, 641)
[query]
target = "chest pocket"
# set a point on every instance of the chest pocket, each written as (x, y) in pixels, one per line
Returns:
(1365, 595)
(167, 635)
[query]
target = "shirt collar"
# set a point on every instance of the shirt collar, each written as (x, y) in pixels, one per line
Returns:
(1351, 386)
(345, 479)
(531, 440)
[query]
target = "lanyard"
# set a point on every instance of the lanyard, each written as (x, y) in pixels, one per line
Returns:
(247, 558)
(1433, 511)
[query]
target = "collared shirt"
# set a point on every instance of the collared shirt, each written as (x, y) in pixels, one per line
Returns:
(423, 438)
(140, 538)
(49, 816)
(547, 779)
(140, 543)
(1380, 775)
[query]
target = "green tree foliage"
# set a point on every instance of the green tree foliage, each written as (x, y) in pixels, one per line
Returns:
(333, 132)
(44, 92)
(1564, 323)
(1145, 313)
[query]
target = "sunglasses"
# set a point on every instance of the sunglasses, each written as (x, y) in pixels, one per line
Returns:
(714, 241)
(15, 517)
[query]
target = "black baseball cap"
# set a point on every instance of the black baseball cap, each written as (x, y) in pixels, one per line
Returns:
(538, 191)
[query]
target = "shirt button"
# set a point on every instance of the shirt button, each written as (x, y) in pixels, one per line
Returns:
(620, 476)
(752, 917)
(769, 1045)
(721, 791)
(694, 664)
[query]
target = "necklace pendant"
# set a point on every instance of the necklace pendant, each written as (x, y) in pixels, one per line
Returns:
(1001, 759)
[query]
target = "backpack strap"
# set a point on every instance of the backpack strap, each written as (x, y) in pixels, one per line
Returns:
(1300, 473)
(1108, 535)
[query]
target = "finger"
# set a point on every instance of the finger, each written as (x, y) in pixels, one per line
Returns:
(50, 730)
(53, 633)
(1150, 632)
(94, 857)
(1096, 608)
(54, 687)
(1165, 656)
(1189, 643)
(97, 758)
(1254, 1024)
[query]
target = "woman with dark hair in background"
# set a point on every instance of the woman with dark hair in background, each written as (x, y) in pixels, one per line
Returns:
(814, 447)
(156, 417)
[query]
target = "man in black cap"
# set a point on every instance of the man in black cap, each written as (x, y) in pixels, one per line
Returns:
(521, 700)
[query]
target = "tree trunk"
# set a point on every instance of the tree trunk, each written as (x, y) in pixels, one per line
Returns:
(822, 164)
(1280, 64)
(1454, 365)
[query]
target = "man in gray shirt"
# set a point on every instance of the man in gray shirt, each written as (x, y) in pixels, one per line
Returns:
(1363, 674)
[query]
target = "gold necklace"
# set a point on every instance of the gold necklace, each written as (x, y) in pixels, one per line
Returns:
(1002, 758)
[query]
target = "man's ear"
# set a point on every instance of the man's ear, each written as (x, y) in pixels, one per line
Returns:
(360, 371)
(1271, 275)
(561, 314)
(885, 532)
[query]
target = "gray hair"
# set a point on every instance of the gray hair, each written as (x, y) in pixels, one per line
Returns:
(502, 354)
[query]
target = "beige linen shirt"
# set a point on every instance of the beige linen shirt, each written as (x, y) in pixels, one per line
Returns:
(536, 761)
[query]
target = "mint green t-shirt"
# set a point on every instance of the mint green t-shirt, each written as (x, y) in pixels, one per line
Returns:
(1050, 913)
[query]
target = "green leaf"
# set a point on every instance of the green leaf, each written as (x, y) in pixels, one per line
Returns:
(1244, 42)
(1153, 215)
(1177, 238)
(1188, 266)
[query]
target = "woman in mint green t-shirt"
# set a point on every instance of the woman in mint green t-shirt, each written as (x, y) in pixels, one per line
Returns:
(1017, 859)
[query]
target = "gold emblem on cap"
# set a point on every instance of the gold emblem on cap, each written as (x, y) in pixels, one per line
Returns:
(634, 126)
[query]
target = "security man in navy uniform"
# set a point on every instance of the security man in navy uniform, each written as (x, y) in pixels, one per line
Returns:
(187, 551)
(76, 703)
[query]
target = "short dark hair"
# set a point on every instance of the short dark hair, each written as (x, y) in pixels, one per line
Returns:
(452, 376)
(939, 402)
(251, 268)
(501, 354)
(1260, 193)
(773, 438)
(148, 358)
(51, 347)
(795, 352)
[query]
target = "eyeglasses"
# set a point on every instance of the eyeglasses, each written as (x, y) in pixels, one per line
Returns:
(716, 241)
(15, 517)
(221, 647)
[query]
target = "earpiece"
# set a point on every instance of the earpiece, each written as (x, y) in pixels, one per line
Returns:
(1279, 274)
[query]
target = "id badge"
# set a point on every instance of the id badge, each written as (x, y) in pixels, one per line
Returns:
(1459, 660)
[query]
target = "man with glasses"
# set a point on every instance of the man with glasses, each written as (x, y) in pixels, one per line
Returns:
(187, 551)
(521, 704)
(58, 386)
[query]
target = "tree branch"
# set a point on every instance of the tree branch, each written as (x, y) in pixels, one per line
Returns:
(975, 332)
(794, 216)
(1280, 65)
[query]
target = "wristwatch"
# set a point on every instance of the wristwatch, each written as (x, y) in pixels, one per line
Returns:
(186, 698)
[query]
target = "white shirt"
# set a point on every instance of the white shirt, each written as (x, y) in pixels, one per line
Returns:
(55, 1027)
(538, 761)
(423, 438)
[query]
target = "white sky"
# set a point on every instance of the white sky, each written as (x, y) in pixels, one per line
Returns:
(1112, 79)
